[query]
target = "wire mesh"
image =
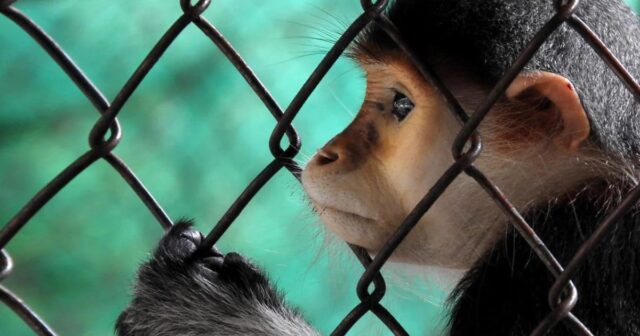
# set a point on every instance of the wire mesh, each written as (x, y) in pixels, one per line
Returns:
(107, 132)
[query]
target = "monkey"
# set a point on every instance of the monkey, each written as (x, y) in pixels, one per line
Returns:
(562, 143)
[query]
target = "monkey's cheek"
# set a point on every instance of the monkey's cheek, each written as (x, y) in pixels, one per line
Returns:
(352, 228)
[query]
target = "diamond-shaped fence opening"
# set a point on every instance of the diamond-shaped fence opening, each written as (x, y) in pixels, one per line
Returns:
(106, 135)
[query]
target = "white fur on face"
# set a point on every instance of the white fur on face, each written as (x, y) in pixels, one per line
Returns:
(366, 204)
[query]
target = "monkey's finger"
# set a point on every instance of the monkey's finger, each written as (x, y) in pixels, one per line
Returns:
(195, 237)
(237, 267)
(216, 253)
(179, 243)
(214, 263)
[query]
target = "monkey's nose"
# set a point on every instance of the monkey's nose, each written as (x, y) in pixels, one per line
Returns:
(325, 157)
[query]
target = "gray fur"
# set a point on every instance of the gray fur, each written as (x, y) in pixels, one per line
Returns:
(180, 293)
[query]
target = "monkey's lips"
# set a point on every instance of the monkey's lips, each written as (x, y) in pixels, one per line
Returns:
(351, 227)
(322, 210)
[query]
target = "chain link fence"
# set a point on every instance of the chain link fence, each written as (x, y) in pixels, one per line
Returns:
(107, 132)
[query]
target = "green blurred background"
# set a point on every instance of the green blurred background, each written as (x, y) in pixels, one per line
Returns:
(196, 135)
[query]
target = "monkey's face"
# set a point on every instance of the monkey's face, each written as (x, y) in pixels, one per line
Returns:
(366, 180)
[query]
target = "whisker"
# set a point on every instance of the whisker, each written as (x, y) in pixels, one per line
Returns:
(340, 102)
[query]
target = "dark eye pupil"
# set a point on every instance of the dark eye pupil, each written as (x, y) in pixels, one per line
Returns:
(402, 105)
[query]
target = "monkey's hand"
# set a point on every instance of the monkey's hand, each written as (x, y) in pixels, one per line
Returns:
(179, 292)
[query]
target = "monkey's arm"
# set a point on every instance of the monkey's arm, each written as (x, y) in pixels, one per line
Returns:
(179, 294)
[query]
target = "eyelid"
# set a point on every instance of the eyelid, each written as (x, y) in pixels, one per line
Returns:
(402, 90)
(376, 104)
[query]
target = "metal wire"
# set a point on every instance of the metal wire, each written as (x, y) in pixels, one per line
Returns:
(106, 134)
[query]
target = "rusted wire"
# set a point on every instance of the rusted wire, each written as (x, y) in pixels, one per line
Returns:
(106, 135)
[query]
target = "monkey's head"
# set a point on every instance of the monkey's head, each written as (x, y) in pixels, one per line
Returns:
(539, 142)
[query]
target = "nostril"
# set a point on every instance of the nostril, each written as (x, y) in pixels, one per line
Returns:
(325, 157)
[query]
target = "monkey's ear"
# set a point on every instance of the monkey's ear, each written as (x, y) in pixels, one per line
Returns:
(555, 94)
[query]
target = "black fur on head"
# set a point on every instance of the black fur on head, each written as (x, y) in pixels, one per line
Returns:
(491, 33)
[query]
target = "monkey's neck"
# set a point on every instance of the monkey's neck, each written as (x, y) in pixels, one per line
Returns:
(506, 292)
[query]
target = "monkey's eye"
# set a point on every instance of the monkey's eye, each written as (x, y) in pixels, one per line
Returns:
(402, 106)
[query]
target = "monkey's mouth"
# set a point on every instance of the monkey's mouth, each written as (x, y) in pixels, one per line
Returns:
(324, 210)
(321, 210)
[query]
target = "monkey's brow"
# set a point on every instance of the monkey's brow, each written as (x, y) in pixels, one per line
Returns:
(378, 105)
